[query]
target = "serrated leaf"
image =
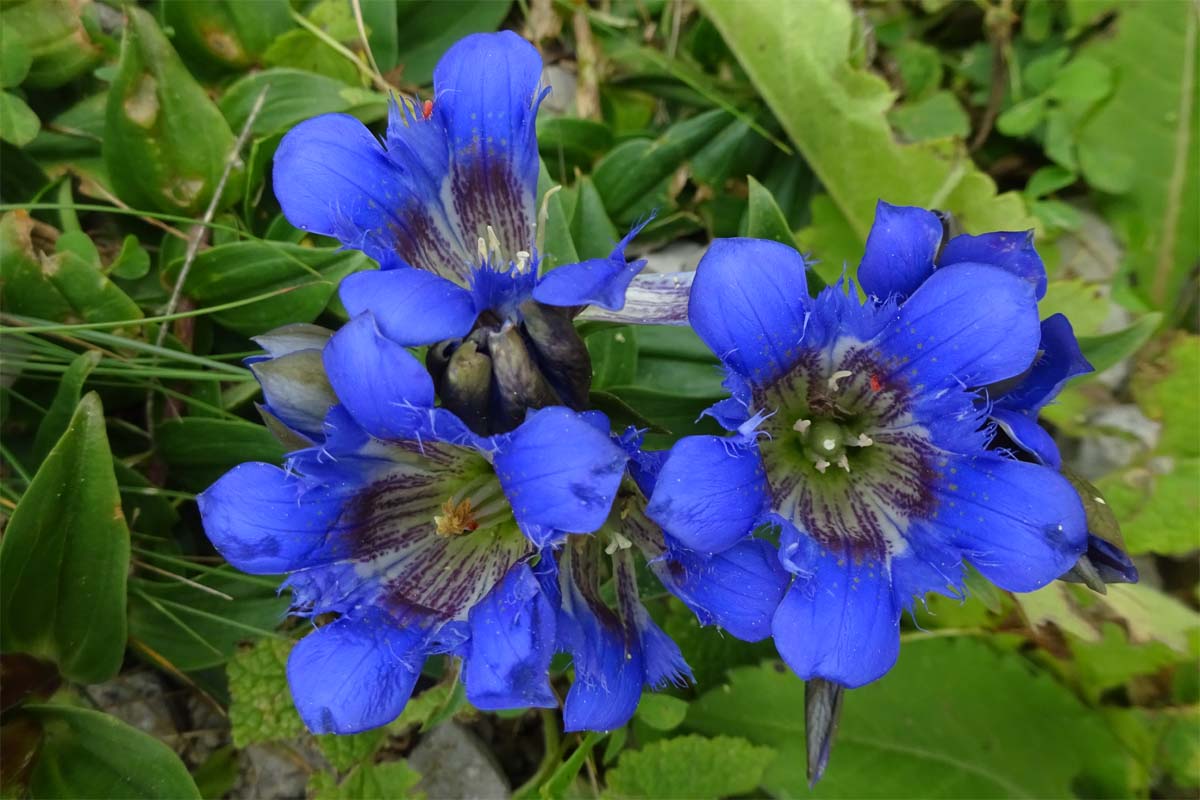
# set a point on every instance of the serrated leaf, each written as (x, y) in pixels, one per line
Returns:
(165, 142)
(260, 702)
(65, 555)
(395, 780)
(86, 753)
(691, 767)
(797, 55)
(1149, 129)
(972, 718)
(344, 752)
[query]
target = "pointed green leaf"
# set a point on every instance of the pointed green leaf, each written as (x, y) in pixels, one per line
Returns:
(89, 754)
(66, 400)
(65, 556)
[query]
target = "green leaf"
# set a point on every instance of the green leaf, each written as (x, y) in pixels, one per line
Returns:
(1151, 616)
(1087, 305)
(662, 712)
(295, 95)
(89, 754)
(199, 450)
(394, 780)
(344, 752)
(797, 56)
(1049, 179)
(429, 28)
(691, 767)
(165, 142)
(59, 287)
(591, 230)
(65, 555)
(62, 408)
(1106, 349)
(952, 719)
(55, 38)
(194, 629)
(628, 175)
(614, 356)
(18, 124)
(15, 60)
(1148, 131)
(764, 220)
(132, 262)
(937, 116)
(556, 245)
(260, 702)
(225, 34)
(1113, 660)
(575, 141)
(1022, 118)
(235, 271)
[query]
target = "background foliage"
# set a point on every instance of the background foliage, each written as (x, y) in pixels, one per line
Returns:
(140, 247)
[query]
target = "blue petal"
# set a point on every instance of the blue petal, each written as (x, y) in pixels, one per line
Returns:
(968, 326)
(332, 177)
(1059, 361)
(597, 281)
(750, 305)
(412, 307)
(664, 663)
(609, 672)
(900, 250)
(840, 620)
(737, 589)
(559, 472)
(265, 521)
(486, 97)
(710, 492)
(355, 674)
(379, 382)
(512, 641)
(655, 299)
(1025, 432)
(1020, 524)
(1012, 251)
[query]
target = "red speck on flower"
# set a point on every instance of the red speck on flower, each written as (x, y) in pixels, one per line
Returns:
(427, 110)
(876, 384)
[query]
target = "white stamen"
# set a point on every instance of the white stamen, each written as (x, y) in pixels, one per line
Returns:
(493, 240)
(481, 249)
(618, 542)
(801, 425)
(1100, 500)
(522, 261)
(843, 462)
(829, 444)
(822, 465)
(840, 375)
(863, 440)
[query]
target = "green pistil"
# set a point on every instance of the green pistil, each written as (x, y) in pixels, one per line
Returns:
(825, 442)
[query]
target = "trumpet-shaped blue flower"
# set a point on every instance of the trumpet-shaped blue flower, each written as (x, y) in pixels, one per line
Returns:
(860, 432)
(423, 536)
(905, 247)
(446, 205)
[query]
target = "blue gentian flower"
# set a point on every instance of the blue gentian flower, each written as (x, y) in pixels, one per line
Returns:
(446, 205)
(860, 432)
(905, 247)
(422, 535)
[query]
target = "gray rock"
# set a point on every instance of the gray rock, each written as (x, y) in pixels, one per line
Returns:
(675, 257)
(274, 771)
(138, 698)
(454, 763)
(1122, 433)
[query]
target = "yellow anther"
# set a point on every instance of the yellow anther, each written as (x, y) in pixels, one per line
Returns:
(455, 519)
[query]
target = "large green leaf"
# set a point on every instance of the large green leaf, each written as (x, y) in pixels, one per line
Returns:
(199, 450)
(65, 556)
(690, 767)
(952, 719)
(429, 27)
(165, 142)
(1149, 125)
(86, 753)
(239, 270)
(798, 57)
(295, 95)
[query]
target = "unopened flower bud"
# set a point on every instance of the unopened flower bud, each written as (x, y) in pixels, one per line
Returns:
(560, 350)
(521, 386)
(466, 386)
